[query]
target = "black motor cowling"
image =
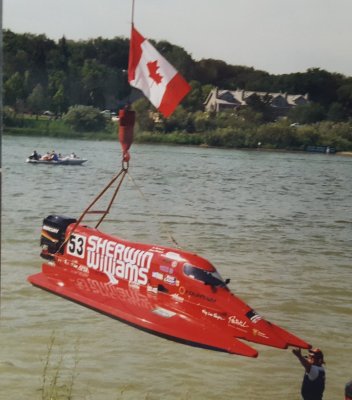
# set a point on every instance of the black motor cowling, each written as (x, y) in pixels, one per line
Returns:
(53, 234)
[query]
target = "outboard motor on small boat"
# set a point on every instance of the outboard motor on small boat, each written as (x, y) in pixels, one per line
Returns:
(53, 234)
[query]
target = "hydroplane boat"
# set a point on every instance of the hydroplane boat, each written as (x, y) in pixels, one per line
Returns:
(169, 292)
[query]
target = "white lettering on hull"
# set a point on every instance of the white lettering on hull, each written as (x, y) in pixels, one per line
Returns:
(116, 260)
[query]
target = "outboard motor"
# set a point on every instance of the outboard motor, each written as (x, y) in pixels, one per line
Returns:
(53, 234)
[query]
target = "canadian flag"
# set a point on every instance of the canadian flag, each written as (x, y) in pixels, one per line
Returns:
(154, 76)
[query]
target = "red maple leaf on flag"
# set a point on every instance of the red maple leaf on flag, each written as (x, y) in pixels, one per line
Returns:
(153, 71)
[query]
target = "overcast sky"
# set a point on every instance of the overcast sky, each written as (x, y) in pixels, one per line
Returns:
(277, 36)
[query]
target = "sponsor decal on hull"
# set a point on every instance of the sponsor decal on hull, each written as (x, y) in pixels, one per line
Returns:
(115, 260)
(212, 314)
(233, 320)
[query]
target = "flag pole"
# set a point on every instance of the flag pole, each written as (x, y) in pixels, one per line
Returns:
(132, 25)
(132, 16)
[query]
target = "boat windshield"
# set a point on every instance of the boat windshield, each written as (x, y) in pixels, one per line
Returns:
(207, 277)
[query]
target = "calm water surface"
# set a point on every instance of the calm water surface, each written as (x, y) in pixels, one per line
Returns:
(279, 225)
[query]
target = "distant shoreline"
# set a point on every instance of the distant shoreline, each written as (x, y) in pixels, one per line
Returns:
(108, 138)
(225, 134)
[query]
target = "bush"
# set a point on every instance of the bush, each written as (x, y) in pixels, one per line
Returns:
(85, 119)
(308, 113)
(203, 122)
(9, 117)
(278, 136)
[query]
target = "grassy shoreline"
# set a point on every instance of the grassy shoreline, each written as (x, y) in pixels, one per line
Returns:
(277, 136)
(63, 134)
(113, 137)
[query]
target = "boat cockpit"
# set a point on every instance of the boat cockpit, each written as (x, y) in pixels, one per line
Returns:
(212, 278)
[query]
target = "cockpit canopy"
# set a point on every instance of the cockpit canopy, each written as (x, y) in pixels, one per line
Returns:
(207, 277)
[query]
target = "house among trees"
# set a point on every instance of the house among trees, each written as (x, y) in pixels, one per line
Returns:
(222, 100)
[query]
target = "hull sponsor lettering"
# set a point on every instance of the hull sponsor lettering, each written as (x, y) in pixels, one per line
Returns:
(117, 261)
(233, 320)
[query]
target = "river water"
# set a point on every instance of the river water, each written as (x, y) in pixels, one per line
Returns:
(278, 224)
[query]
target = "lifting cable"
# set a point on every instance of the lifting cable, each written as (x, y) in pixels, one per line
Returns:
(171, 238)
(125, 135)
(119, 178)
(127, 119)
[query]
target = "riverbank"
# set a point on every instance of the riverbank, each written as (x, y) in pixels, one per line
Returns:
(103, 136)
(277, 136)
(47, 131)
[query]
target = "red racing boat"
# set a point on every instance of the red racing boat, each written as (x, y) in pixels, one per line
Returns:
(168, 292)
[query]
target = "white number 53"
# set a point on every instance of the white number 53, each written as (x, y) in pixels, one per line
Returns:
(76, 245)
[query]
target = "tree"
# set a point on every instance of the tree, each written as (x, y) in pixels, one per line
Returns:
(195, 98)
(178, 121)
(14, 89)
(146, 118)
(344, 94)
(261, 105)
(336, 112)
(58, 101)
(57, 89)
(308, 113)
(37, 100)
(178, 57)
(111, 52)
(203, 122)
(93, 80)
(85, 118)
(319, 84)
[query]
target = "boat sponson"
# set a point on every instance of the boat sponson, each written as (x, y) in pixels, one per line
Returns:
(140, 310)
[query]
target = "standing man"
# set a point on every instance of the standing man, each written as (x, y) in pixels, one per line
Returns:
(313, 384)
(348, 391)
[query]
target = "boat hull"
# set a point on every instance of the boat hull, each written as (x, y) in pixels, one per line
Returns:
(141, 310)
(68, 161)
(169, 292)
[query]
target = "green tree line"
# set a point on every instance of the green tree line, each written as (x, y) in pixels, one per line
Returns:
(42, 74)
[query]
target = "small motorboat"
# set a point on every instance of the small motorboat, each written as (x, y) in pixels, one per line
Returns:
(168, 292)
(57, 160)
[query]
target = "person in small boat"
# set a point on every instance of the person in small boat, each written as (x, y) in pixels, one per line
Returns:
(54, 156)
(313, 384)
(34, 156)
(46, 157)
